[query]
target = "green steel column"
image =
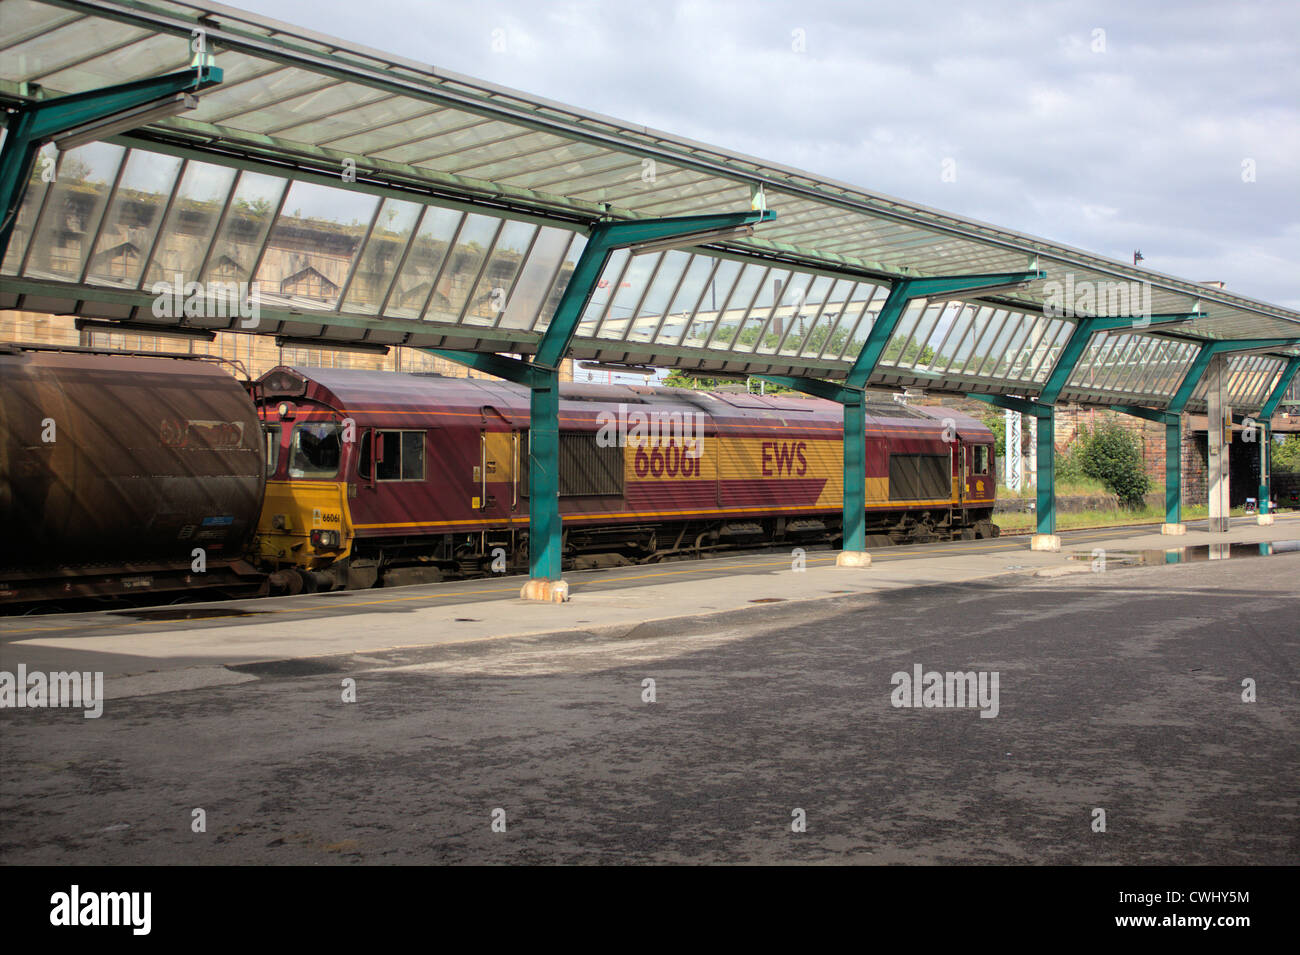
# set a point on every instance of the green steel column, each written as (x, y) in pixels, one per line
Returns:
(1174, 470)
(545, 530)
(901, 295)
(1046, 477)
(854, 402)
(16, 161)
(541, 375)
(855, 474)
(1173, 435)
(850, 395)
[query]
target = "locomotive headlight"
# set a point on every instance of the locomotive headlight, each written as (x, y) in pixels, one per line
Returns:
(328, 540)
(286, 410)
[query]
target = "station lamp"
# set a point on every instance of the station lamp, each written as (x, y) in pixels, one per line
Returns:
(125, 121)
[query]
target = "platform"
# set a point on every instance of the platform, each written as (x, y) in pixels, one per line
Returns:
(157, 650)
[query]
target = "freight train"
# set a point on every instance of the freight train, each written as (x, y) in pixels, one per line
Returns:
(168, 474)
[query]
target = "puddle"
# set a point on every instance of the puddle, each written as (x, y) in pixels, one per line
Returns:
(287, 667)
(188, 613)
(1188, 555)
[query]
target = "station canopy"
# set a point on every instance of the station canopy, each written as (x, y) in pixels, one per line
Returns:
(471, 204)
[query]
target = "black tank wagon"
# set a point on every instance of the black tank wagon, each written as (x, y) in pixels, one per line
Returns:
(123, 474)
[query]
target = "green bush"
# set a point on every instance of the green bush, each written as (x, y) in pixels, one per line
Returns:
(1286, 456)
(1069, 464)
(1113, 456)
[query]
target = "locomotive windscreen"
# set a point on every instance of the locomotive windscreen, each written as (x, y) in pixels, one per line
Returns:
(920, 477)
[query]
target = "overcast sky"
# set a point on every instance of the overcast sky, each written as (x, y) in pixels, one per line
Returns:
(1111, 126)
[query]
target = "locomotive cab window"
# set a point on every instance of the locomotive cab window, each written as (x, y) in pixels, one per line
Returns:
(315, 450)
(980, 463)
(399, 457)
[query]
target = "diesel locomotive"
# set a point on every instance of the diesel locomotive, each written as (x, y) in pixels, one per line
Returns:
(168, 473)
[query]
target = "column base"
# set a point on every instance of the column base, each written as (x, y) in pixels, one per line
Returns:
(1263, 520)
(1173, 529)
(550, 591)
(853, 558)
(1048, 542)
(1218, 525)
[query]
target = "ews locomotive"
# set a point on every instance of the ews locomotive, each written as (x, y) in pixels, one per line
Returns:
(382, 477)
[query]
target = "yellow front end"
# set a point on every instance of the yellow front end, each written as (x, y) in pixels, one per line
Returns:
(292, 511)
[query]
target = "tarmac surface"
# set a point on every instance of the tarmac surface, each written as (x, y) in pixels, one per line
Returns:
(1120, 688)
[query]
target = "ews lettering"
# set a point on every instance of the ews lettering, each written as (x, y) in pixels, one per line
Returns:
(784, 457)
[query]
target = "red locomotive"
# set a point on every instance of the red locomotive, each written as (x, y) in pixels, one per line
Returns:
(375, 477)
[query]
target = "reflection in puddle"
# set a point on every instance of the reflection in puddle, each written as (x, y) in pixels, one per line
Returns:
(188, 613)
(1188, 555)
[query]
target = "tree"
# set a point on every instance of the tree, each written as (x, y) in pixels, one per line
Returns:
(1286, 456)
(1112, 455)
(681, 379)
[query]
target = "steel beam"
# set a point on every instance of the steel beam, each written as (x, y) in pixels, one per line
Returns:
(37, 122)
(1012, 403)
(1202, 361)
(901, 295)
(541, 375)
(830, 390)
(1275, 397)
(1082, 333)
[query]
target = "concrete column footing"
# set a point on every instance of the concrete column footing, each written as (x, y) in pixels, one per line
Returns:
(1049, 542)
(853, 558)
(1173, 529)
(550, 591)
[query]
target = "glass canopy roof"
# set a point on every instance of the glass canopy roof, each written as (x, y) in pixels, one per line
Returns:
(469, 213)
